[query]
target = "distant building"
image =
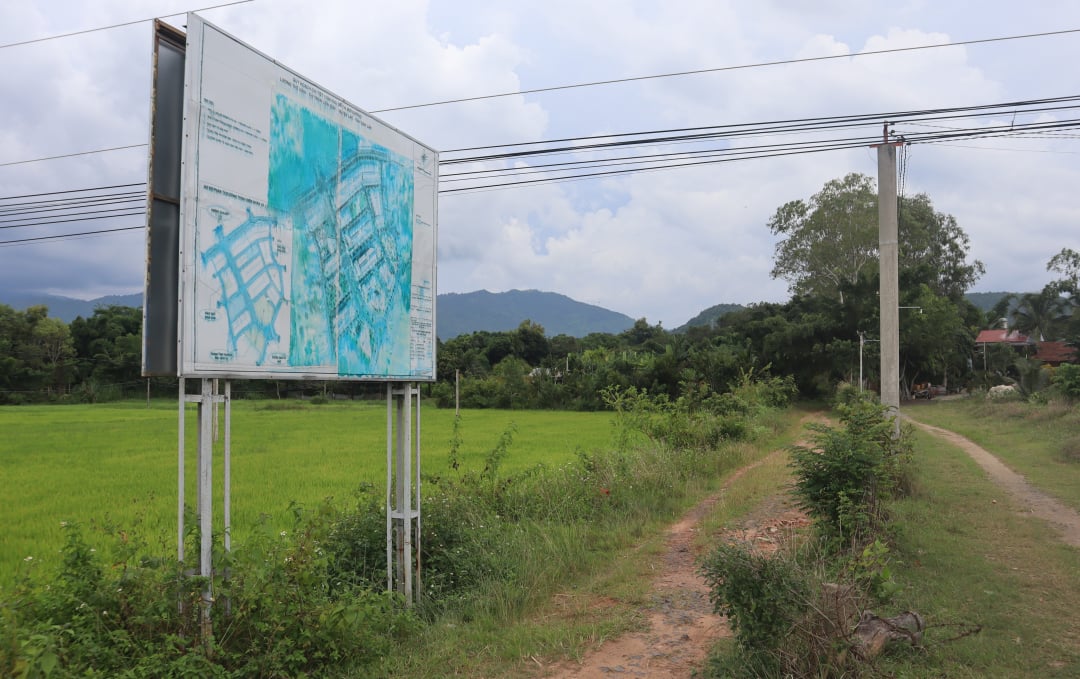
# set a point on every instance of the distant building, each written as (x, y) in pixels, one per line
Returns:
(1055, 353)
(1009, 337)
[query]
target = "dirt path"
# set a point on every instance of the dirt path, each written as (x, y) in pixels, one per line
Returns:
(681, 624)
(1030, 499)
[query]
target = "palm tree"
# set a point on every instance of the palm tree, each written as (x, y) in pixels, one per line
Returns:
(1039, 314)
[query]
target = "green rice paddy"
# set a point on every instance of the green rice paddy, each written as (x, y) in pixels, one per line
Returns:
(117, 463)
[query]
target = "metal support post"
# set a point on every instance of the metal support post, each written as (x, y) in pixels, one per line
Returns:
(403, 490)
(182, 400)
(207, 399)
(205, 507)
(228, 465)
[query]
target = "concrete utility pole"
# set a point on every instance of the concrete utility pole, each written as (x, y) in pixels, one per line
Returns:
(889, 267)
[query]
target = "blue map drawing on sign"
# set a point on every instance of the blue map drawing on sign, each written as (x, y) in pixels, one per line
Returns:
(350, 203)
(252, 281)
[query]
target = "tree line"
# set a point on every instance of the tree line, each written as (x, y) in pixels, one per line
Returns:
(827, 252)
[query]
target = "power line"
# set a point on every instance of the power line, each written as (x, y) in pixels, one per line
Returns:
(77, 153)
(66, 236)
(777, 126)
(57, 193)
(784, 150)
(70, 204)
(746, 152)
(728, 68)
(106, 28)
(37, 222)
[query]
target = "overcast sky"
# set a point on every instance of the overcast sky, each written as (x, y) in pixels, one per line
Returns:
(659, 245)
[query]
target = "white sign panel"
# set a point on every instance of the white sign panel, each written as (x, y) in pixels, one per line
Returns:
(309, 227)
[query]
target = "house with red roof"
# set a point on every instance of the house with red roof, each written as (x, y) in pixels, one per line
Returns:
(1055, 353)
(1004, 336)
(1051, 353)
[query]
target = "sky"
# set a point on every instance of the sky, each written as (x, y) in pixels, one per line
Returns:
(660, 245)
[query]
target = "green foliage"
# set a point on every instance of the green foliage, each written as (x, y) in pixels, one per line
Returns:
(830, 242)
(870, 570)
(698, 418)
(300, 601)
(277, 613)
(843, 477)
(1031, 377)
(761, 596)
(1066, 380)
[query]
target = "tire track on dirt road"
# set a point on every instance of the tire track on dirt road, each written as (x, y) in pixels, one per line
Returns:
(1030, 499)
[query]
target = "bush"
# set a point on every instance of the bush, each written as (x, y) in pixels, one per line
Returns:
(787, 620)
(761, 596)
(1066, 381)
(275, 615)
(841, 479)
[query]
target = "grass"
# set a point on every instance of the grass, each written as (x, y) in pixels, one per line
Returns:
(117, 463)
(968, 557)
(1036, 440)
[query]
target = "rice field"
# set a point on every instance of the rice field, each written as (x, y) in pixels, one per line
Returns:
(116, 464)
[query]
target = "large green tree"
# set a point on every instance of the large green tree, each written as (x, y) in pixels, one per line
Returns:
(36, 354)
(829, 243)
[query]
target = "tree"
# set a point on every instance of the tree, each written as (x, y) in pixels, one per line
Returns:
(1067, 263)
(935, 339)
(53, 339)
(1038, 315)
(36, 353)
(530, 343)
(830, 243)
(109, 344)
(830, 240)
(934, 249)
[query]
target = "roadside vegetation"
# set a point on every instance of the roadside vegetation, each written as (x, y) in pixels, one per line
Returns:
(969, 559)
(802, 612)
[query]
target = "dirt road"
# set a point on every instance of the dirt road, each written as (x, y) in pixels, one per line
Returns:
(1029, 499)
(681, 625)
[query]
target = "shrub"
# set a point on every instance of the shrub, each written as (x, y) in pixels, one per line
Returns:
(762, 596)
(1070, 449)
(842, 477)
(1066, 381)
(275, 615)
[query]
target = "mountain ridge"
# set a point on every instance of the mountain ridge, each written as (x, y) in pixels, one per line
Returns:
(463, 312)
(457, 313)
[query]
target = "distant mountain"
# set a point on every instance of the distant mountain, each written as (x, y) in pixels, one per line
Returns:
(709, 316)
(460, 313)
(66, 308)
(985, 301)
